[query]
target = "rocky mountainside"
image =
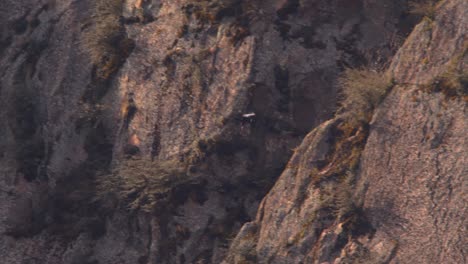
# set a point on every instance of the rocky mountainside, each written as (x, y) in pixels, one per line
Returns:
(157, 131)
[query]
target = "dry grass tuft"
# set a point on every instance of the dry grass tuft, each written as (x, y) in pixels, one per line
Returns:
(344, 201)
(139, 184)
(105, 41)
(425, 8)
(362, 90)
(454, 81)
(453, 84)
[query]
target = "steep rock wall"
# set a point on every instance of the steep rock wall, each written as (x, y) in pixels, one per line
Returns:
(405, 202)
(177, 89)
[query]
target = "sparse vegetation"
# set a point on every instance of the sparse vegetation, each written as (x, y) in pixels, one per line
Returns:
(346, 153)
(425, 8)
(454, 81)
(243, 248)
(213, 12)
(202, 10)
(138, 184)
(104, 39)
(199, 149)
(337, 179)
(344, 202)
(362, 90)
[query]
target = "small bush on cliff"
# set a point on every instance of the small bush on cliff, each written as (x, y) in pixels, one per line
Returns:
(362, 90)
(139, 184)
(344, 200)
(453, 82)
(104, 31)
(104, 39)
(213, 11)
(425, 8)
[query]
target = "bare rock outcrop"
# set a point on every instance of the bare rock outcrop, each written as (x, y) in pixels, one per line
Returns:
(399, 194)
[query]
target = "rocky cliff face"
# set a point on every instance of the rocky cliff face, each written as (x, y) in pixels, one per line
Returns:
(404, 201)
(149, 132)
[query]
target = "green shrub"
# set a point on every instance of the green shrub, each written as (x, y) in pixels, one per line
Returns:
(362, 90)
